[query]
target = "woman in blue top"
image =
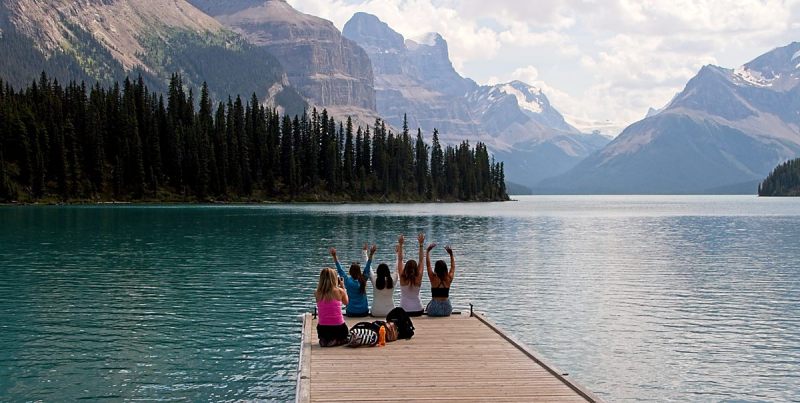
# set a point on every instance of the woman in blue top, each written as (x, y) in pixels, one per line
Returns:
(356, 284)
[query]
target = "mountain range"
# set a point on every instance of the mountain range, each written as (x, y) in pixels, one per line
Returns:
(415, 78)
(722, 134)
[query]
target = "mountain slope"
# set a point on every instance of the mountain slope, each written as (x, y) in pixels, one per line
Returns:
(329, 70)
(105, 40)
(517, 122)
(726, 130)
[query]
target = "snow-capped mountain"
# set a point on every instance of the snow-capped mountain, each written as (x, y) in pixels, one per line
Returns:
(723, 133)
(516, 120)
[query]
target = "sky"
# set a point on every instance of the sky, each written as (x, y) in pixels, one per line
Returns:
(602, 63)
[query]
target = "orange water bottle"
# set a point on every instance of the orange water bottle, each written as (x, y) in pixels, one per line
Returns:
(382, 336)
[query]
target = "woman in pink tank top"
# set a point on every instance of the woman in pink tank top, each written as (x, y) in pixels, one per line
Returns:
(330, 295)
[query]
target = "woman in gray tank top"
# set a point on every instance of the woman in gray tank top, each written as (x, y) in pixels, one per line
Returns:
(410, 278)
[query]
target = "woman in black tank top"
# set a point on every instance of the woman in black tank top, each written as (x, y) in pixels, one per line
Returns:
(440, 279)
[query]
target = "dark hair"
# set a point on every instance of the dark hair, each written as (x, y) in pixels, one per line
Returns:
(440, 268)
(355, 272)
(410, 271)
(384, 277)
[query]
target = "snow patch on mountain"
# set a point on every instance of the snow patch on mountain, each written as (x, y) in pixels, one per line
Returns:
(752, 77)
(525, 101)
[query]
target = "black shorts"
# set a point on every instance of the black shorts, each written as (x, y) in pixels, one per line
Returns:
(332, 333)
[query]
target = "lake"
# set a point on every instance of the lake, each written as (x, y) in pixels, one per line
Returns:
(669, 298)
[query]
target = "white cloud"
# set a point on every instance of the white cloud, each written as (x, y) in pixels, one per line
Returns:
(598, 61)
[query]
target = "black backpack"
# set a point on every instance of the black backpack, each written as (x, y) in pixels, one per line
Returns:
(405, 328)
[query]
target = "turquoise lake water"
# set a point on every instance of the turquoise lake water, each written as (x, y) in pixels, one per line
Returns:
(685, 298)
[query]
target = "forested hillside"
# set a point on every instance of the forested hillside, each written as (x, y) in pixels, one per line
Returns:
(91, 48)
(783, 181)
(127, 143)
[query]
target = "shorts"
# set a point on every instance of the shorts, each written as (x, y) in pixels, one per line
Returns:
(439, 308)
(333, 335)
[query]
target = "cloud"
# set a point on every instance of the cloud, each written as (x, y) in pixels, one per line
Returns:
(602, 61)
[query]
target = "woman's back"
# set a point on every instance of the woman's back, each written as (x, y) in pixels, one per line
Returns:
(383, 299)
(330, 312)
(409, 297)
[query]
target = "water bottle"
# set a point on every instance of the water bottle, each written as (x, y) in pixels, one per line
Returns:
(382, 336)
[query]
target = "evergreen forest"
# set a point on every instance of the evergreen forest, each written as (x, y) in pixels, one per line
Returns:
(124, 142)
(783, 181)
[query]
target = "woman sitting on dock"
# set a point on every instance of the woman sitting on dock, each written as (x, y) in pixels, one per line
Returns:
(356, 284)
(410, 278)
(383, 282)
(330, 295)
(440, 279)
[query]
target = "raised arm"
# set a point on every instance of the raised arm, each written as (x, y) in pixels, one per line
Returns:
(452, 261)
(336, 261)
(399, 250)
(421, 239)
(431, 274)
(368, 266)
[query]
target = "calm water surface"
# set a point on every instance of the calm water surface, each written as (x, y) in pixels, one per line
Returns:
(639, 298)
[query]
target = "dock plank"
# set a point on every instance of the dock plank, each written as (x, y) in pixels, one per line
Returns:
(460, 358)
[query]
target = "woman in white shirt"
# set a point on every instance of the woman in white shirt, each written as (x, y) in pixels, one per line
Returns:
(383, 283)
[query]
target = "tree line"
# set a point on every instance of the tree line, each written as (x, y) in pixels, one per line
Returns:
(127, 143)
(784, 180)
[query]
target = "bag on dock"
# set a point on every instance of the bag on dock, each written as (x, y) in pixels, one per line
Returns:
(363, 334)
(405, 328)
(391, 329)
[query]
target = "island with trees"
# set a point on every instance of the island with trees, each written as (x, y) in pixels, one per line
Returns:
(75, 143)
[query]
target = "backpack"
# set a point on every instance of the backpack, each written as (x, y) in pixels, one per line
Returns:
(405, 328)
(363, 334)
(391, 329)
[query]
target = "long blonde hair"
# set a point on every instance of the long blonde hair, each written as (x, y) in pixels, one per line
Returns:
(328, 282)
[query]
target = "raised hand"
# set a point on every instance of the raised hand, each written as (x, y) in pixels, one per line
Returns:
(449, 250)
(372, 250)
(401, 239)
(421, 238)
(431, 246)
(333, 252)
(366, 246)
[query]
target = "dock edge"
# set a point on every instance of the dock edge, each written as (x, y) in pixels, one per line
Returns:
(537, 357)
(303, 389)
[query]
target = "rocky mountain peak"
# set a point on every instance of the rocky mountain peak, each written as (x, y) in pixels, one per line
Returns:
(327, 68)
(778, 69)
(369, 31)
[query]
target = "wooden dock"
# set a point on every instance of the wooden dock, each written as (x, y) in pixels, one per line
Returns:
(455, 359)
